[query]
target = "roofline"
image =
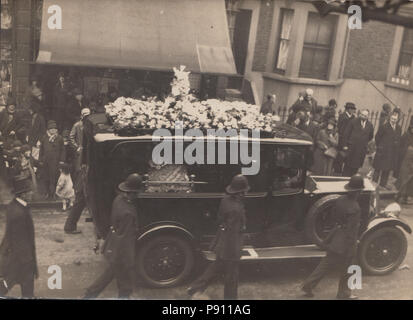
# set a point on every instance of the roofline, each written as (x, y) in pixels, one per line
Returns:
(103, 137)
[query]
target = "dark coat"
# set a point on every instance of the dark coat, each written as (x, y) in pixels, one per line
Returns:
(343, 121)
(60, 96)
(304, 105)
(356, 139)
(343, 239)
(119, 247)
(267, 107)
(51, 153)
(37, 129)
(387, 147)
(229, 239)
(405, 181)
(72, 110)
(17, 250)
(309, 128)
(16, 124)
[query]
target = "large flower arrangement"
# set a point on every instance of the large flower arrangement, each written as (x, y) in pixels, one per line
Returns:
(131, 116)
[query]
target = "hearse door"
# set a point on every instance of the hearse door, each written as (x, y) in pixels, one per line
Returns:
(287, 189)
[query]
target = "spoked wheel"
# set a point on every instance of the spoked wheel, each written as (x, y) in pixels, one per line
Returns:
(383, 250)
(165, 261)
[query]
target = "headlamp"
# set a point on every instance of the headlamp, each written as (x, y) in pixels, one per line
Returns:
(392, 210)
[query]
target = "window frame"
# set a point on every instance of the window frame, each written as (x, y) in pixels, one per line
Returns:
(318, 46)
(280, 38)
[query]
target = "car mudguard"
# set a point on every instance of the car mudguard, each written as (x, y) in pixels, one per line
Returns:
(386, 222)
(164, 226)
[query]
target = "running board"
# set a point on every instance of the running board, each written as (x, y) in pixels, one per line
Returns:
(275, 253)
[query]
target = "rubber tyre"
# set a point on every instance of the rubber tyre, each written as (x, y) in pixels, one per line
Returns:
(367, 243)
(153, 247)
(313, 215)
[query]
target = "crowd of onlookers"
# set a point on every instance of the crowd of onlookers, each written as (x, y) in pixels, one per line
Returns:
(342, 141)
(41, 145)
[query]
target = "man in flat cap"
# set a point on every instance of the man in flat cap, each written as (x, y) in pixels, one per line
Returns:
(119, 246)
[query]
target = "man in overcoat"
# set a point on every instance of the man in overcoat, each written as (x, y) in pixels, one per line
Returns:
(387, 150)
(342, 242)
(18, 264)
(343, 120)
(358, 134)
(37, 127)
(228, 242)
(51, 154)
(11, 124)
(119, 246)
(405, 182)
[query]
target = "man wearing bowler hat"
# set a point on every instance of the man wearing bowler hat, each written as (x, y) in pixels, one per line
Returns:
(119, 246)
(228, 241)
(18, 263)
(342, 241)
(11, 124)
(51, 154)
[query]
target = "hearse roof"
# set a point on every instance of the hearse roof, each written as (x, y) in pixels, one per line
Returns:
(285, 134)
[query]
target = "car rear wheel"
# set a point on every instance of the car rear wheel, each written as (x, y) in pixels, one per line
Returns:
(382, 251)
(319, 222)
(165, 261)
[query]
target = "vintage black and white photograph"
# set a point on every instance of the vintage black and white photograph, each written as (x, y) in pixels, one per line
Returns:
(206, 150)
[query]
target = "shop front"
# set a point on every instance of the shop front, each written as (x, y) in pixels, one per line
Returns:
(130, 48)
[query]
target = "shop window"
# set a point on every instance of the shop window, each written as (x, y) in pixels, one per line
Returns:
(288, 175)
(404, 66)
(317, 47)
(284, 40)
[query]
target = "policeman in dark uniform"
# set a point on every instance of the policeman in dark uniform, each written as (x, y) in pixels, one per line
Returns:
(228, 241)
(341, 243)
(119, 246)
(18, 264)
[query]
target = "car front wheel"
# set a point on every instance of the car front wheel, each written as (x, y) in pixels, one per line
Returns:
(165, 261)
(382, 251)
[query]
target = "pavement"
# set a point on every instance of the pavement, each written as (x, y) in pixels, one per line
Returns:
(275, 280)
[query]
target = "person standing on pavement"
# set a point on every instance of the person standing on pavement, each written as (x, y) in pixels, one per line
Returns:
(18, 263)
(228, 241)
(405, 182)
(119, 246)
(76, 140)
(60, 100)
(357, 136)
(387, 150)
(342, 241)
(51, 155)
(343, 120)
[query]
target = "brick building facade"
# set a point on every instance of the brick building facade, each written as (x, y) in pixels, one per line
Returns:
(325, 55)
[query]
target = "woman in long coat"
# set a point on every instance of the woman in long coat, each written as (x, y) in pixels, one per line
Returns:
(327, 139)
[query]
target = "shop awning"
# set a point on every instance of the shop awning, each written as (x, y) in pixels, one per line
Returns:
(139, 34)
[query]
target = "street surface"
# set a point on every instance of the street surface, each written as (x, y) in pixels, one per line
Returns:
(261, 281)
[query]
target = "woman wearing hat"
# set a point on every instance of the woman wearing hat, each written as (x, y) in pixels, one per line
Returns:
(228, 241)
(325, 149)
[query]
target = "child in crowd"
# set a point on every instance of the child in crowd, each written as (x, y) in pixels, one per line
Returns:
(64, 188)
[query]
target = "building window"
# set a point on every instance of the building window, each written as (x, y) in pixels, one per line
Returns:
(318, 42)
(404, 66)
(284, 40)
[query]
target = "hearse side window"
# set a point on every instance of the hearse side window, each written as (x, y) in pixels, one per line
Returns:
(288, 175)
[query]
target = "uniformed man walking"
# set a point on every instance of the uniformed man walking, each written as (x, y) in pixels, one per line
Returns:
(119, 246)
(342, 242)
(18, 263)
(228, 241)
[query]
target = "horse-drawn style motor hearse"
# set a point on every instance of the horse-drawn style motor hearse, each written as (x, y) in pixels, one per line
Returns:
(288, 211)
